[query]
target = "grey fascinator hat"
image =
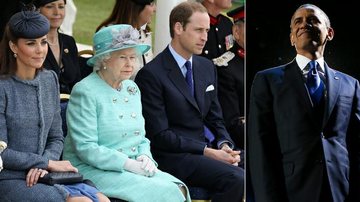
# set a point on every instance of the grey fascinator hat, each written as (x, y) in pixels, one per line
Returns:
(29, 25)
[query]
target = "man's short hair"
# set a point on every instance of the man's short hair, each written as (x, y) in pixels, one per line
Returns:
(182, 12)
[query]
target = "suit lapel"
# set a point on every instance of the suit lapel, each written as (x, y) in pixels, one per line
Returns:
(294, 79)
(332, 89)
(177, 77)
(294, 83)
(198, 83)
(52, 61)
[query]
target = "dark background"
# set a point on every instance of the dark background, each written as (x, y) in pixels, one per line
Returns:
(268, 29)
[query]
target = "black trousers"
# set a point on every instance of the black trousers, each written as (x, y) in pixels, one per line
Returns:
(225, 181)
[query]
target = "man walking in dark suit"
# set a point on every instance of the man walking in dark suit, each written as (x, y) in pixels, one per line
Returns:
(304, 122)
(182, 113)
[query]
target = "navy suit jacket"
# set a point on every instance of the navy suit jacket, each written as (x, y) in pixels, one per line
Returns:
(288, 152)
(174, 119)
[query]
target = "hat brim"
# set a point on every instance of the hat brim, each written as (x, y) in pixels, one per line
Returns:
(140, 48)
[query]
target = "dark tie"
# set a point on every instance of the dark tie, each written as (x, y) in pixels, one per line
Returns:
(189, 77)
(189, 80)
(314, 84)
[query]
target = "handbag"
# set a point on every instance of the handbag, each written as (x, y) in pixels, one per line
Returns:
(61, 178)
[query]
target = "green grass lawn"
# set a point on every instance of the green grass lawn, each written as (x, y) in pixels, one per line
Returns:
(90, 13)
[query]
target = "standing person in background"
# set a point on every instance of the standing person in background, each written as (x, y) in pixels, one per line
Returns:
(183, 116)
(69, 19)
(30, 123)
(304, 122)
(137, 13)
(220, 33)
(231, 78)
(62, 56)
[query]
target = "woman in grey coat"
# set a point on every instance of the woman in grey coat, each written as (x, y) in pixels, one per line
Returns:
(30, 122)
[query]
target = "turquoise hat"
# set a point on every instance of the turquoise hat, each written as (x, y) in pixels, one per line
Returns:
(114, 38)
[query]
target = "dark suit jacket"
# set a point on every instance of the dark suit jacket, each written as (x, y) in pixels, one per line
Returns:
(70, 74)
(288, 153)
(231, 96)
(174, 118)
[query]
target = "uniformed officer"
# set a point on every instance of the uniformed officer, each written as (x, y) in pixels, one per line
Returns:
(220, 33)
(231, 78)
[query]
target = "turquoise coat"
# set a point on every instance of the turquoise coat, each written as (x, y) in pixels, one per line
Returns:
(105, 128)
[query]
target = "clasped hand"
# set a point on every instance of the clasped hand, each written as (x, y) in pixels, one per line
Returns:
(234, 154)
(225, 154)
(34, 174)
(143, 165)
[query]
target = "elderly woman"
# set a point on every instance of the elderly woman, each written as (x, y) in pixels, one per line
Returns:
(106, 139)
(30, 123)
(137, 13)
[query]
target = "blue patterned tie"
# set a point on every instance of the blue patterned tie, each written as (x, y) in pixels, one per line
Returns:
(189, 80)
(314, 84)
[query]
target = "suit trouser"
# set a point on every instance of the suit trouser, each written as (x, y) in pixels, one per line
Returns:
(224, 180)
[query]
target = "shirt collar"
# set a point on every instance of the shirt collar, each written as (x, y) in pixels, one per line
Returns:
(178, 58)
(302, 61)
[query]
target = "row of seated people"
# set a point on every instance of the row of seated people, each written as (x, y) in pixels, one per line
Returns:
(138, 165)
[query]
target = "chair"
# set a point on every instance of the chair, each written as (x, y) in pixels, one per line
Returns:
(199, 194)
(84, 55)
(64, 99)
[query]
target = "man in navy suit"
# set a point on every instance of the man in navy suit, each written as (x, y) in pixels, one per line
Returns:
(181, 118)
(305, 146)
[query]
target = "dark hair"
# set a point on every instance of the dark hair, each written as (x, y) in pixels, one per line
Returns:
(182, 12)
(8, 64)
(41, 3)
(312, 6)
(124, 12)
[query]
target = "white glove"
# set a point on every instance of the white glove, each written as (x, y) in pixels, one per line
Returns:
(3, 146)
(147, 164)
(135, 167)
(1, 164)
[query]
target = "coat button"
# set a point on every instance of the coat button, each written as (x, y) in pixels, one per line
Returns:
(216, 29)
(120, 150)
(133, 149)
(137, 132)
(121, 116)
(126, 99)
(219, 46)
(114, 100)
(206, 52)
(133, 115)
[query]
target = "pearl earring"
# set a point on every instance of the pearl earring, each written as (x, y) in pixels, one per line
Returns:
(105, 67)
(15, 55)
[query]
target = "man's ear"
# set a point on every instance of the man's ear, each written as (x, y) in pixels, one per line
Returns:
(292, 40)
(330, 34)
(178, 28)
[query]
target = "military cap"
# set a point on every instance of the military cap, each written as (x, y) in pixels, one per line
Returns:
(142, 2)
(29, 25)
(237, 14)
(40, 3)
